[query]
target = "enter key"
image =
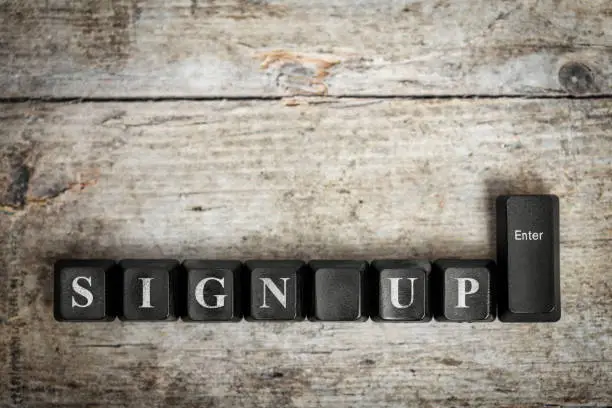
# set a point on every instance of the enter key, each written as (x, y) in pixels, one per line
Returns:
(528, 258)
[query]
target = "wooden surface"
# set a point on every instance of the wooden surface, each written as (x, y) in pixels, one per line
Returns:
(197, 48)
(375, 169)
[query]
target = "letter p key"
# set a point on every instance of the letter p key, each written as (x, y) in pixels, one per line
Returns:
(465, 290)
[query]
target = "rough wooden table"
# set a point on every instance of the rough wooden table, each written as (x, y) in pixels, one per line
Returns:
(302, 129)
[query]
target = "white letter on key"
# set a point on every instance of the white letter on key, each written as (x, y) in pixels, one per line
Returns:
(146, 292)
(462, 292)
(199, 294)
(395, 292)
(281, 296)
(82, 291)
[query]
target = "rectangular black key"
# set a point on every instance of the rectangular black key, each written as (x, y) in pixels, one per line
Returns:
(212, 291)
(402, 291)
(339, 291)
(83, 290)
(275, 290)
(464, 290)
(149, 289)
(528, 258)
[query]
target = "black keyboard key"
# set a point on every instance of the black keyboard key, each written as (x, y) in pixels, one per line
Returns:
(464, 290)
(339, 291)
(149, 289)
(275, 290)
(528, 258)
(212, 290)
(83, 290)
(401, 291)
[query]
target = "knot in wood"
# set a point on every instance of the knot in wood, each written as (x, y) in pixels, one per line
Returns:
(577, 78)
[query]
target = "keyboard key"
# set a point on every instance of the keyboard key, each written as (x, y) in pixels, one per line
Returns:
(339, 291)
(149, 289)
(212, 290)
(401, 291)
(83, 290)
(528, 258)
(464, 290)
(275, 290)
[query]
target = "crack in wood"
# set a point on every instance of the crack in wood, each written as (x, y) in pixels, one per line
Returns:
(30, 200)
(16, 383)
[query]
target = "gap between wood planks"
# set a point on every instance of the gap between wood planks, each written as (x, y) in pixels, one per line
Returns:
(130, 99)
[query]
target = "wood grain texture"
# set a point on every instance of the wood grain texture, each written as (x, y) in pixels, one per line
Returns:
(306, 178)
(238, 48)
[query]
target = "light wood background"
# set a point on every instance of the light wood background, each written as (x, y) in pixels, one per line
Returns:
(302, 129)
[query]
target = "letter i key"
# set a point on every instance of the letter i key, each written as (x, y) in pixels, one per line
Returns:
(149, 289)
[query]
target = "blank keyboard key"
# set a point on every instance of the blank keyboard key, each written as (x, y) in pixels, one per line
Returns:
(402, 291)
(339, 291)
(275, 290)
(149, 289)
(83, 290)
(464, 290)
(213, 291)
(528, 258)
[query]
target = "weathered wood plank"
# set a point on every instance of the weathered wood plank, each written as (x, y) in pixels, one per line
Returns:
(302, 178)
(232, 48)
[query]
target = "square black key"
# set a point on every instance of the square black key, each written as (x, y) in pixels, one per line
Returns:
(212, 291)
(149, 289)
(83, 290)
(338, 291)
(275, 290)
(464, 290)
(402, 291)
